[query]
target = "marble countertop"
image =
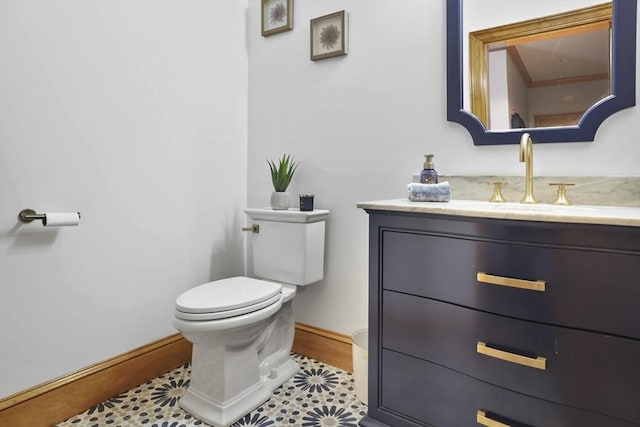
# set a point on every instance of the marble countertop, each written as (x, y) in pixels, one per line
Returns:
(608, 215)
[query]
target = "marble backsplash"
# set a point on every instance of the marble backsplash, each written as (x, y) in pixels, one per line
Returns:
(588, 190)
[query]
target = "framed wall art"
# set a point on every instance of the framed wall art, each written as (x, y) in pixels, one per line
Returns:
(277, 16)
(329, 36)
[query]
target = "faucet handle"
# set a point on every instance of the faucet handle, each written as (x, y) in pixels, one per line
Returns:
(497, 192)
(561, 199)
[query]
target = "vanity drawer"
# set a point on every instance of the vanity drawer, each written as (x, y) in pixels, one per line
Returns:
(412, 390)
(584, 288)
(584, 369)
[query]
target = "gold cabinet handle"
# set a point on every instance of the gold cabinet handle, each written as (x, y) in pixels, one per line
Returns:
(482, 419)
(531, 285)
(538, 362)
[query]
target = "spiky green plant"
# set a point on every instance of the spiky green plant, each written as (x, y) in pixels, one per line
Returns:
(282, 173)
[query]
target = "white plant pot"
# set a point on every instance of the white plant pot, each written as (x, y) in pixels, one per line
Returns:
(280, 200)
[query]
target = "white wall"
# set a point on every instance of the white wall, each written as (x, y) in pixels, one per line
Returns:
(518, 92)
(499, 94)
(133, 113)
(361, 123)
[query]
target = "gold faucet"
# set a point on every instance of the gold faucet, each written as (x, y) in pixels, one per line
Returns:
(526, 155)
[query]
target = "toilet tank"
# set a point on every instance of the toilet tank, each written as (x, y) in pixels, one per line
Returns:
(289, 246)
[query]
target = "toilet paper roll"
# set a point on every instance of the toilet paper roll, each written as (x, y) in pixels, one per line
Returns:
(61, 219)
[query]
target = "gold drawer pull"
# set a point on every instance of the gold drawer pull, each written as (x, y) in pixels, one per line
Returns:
(532, 285)
(538, 362)
(482, 419)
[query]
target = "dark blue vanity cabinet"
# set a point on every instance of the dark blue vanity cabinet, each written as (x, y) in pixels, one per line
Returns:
(500, 322)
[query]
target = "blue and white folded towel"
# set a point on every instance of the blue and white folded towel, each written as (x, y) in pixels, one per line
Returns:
(440, 192)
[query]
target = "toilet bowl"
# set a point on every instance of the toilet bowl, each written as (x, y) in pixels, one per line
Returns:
(242, 328)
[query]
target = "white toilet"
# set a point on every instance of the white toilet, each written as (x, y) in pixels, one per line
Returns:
(242, 328)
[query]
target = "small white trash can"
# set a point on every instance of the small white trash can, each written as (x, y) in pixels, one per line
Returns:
(360, 345)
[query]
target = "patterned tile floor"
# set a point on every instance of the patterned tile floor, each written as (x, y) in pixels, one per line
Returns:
(319, 395)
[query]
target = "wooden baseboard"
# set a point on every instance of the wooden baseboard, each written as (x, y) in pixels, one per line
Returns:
(57, 400)
(323, 345)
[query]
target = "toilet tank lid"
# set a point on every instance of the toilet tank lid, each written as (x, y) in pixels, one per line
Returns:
(289, 215)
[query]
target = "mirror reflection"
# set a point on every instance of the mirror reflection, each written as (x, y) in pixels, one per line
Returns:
(543, 71)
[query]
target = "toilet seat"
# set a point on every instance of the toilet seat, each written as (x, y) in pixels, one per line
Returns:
(227, 298)
(225, 314)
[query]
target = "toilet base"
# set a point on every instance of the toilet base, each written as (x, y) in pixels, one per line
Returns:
(223, 414)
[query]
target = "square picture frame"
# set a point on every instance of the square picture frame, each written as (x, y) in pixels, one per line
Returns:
(276, 16)
(329, 35)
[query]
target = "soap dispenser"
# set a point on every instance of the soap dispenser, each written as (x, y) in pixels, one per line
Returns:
(428, 174)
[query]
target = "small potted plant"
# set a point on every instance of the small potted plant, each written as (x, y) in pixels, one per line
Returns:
(281, 175)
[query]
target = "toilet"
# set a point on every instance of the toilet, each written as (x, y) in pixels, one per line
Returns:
(242, 328)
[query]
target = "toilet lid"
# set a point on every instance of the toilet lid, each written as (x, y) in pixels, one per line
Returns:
(229, 313)
(227, 295)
